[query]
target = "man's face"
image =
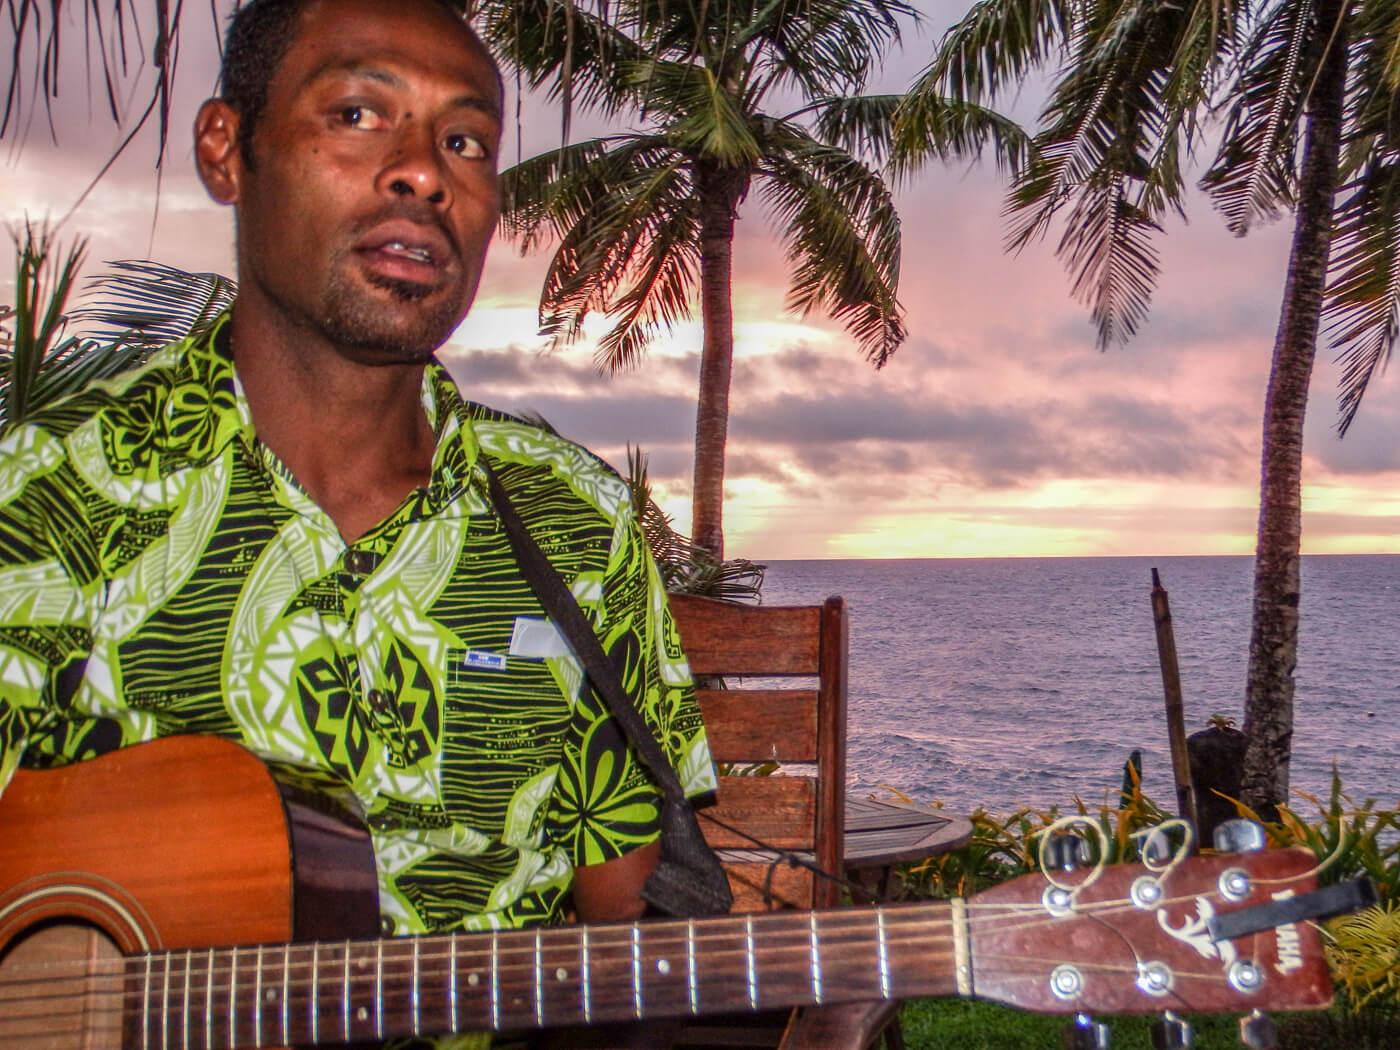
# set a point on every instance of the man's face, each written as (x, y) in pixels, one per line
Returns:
(374, 194)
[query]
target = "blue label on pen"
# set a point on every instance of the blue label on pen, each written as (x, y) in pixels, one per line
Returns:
(484, 661)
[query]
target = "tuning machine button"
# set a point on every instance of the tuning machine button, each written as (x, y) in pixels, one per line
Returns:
(1084, 1033)
(1258, 1032)
(1067, 852)
(1171, 1033)
(1240, 836)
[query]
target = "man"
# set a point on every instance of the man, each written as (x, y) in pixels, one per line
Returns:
(281, 533)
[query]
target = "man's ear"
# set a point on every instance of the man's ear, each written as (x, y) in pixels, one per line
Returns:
(216, 153)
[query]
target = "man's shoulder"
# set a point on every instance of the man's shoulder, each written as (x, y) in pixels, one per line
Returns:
(128, 396)
(532, 448)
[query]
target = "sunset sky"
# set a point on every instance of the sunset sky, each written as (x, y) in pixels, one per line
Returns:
(997, 430)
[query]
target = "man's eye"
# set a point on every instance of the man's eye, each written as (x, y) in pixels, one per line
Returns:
(358, 117)
(464, 145)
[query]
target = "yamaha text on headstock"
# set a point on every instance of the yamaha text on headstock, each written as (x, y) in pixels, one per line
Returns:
(118, 874)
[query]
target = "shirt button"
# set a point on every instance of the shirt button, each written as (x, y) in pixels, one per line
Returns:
(378, 699)
(359, 561)
(386, 926)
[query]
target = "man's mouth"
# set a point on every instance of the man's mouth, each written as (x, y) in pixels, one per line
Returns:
(419, 253)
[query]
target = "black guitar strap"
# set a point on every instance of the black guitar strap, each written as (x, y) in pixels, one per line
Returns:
(689, 880)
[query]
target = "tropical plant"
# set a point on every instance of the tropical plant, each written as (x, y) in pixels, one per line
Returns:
(1310, 89)
(39, 360)
(645, 219)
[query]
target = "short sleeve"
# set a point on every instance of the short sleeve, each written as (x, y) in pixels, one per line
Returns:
(605, 802)
(43, 638)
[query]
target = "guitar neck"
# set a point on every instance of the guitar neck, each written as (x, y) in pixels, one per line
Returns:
(352, 991)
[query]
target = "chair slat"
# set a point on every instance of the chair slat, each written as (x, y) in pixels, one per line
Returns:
(778, 810)
(760, 725)
(724, 638)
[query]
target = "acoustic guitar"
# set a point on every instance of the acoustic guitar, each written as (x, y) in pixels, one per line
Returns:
(117, 874)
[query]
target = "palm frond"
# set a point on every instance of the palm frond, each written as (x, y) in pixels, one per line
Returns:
(684, 567)
(703, 116)
(859, 124)
(39, 320)
(1254, 173)
(140, 303)
(841, 229)
(1107, 246)
(930, 126)
(996, 44)
(1363, 294)
(821, 47)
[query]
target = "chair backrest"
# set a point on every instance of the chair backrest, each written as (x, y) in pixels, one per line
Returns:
(803, 722)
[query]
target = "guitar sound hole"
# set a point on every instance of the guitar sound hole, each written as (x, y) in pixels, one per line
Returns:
(61, 989)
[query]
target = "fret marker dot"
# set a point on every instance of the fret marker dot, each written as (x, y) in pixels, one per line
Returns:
(663, 966)
(271, 995)
(561, 974)
(473, 979)
(362, 1014)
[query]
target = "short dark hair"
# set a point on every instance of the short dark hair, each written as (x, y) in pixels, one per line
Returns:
(259, 33)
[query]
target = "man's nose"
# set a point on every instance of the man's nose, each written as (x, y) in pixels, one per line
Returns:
(415, 169)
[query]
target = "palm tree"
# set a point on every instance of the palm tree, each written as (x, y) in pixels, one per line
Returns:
(645, 218)
(1311, 87)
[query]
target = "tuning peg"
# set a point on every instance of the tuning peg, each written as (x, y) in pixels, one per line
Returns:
(1084, 1033)
(1239, 836)
(1171, 1033)
(1258, 1032)
(1067, 852)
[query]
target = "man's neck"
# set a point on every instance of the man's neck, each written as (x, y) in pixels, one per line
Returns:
(354, 436)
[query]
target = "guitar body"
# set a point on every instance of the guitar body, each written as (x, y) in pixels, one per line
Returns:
(173, 897)
(180, 843)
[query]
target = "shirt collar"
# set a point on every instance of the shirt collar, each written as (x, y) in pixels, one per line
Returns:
(208, 410)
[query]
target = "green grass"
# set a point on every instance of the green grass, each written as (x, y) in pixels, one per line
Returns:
(957, 1024)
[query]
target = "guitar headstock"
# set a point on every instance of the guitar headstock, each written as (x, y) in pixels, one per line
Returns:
(1132, 938)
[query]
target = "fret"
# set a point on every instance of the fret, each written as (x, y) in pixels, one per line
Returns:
(209, 1002)
(883, 952)
(286, 992)
(165, 1002)
(345, 994)
(495, 982)
(185, 1006)
(414, 991)
(539, 980)
(146, 1007)
(692, 979)
(379, 989)
(637, 971)
(585, 979)
(257, 997)
(752, 963)
(816, 965)
(452, 982)
(315, 1006)
(233, 999)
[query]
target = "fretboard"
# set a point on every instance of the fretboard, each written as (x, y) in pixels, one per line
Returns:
(352, 991)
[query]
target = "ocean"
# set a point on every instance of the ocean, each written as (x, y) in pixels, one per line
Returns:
(1004, 682)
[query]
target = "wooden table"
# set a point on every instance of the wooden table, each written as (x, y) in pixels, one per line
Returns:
(880, 835)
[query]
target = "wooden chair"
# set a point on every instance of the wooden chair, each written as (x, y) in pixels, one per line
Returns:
(801, 724)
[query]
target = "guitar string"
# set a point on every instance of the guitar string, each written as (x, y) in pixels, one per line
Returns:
(1027, 966)
(1025, 915)
(772, 973)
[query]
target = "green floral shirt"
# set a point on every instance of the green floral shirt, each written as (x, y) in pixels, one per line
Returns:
(161, 572)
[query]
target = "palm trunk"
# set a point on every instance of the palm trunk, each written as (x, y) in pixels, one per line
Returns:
(719, 192)
(1273, 643)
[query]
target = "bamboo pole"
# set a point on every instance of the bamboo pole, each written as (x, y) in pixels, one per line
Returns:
(1171, 687)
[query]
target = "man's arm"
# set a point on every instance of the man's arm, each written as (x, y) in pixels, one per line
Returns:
(611, 891)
